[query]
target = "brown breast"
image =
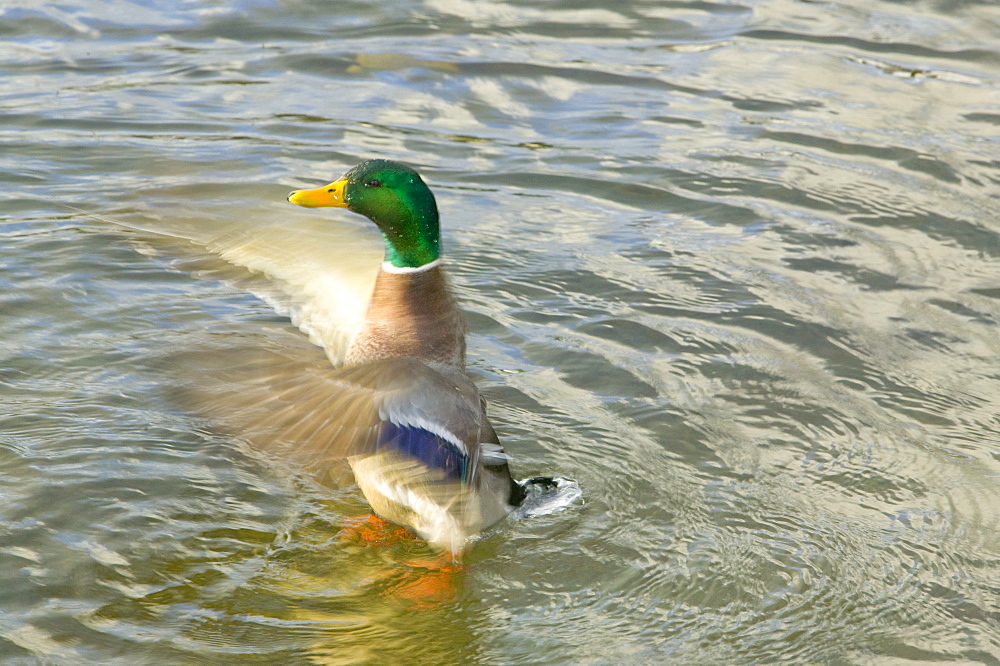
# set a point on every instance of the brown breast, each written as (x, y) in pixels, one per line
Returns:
(411, 314)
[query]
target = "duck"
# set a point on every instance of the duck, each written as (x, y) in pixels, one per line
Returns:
(380, 384)
(400, 408)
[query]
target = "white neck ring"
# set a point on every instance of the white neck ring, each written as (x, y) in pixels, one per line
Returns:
(389, 268)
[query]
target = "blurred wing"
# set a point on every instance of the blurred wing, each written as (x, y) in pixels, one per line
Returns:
(315, 270)
(296, 407)
(327, 281)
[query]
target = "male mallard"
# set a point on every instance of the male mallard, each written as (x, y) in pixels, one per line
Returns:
(401, 409)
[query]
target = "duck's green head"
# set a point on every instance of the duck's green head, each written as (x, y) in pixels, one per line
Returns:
(393, 196)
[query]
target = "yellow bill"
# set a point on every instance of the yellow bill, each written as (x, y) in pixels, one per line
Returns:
(328, 195)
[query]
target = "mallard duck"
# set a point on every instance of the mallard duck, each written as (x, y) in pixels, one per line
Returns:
(401, 409)
(394, 401)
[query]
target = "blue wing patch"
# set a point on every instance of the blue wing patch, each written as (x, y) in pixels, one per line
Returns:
(430, 449)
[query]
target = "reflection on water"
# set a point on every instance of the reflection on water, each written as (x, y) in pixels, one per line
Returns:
(731, 267)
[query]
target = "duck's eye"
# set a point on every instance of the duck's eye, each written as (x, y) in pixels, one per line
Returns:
(374, 183)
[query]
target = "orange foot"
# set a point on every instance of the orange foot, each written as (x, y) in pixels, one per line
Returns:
(426, 583)
(373, 531)
(422, 582)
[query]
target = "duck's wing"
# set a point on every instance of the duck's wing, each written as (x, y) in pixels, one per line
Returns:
(295, 406)
(318, 272)
(325, 279)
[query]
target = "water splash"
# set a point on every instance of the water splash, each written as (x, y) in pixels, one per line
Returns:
(547, 495)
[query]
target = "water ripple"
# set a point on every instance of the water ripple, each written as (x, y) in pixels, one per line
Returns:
(730, 267)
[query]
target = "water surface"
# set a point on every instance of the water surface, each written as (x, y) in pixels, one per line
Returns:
(732, 267)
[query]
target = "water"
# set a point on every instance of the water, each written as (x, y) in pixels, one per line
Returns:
(731, 267)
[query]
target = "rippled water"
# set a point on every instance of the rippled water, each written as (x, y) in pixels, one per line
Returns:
(733, 267)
